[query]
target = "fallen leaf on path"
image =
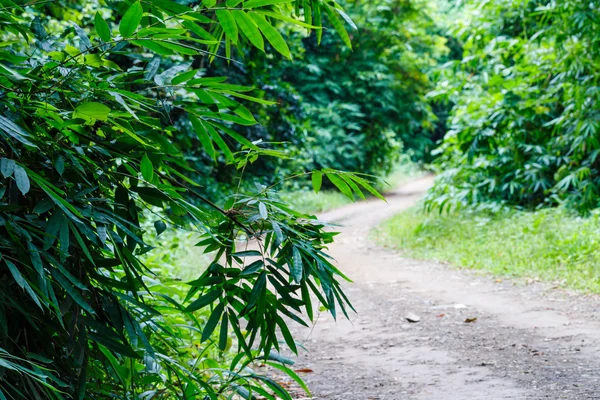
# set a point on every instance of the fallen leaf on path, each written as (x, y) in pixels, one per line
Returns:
(441, 315)
(304, 370)
(470, 320)
(410, 317)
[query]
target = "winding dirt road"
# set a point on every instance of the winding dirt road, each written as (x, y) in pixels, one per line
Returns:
(527, 342)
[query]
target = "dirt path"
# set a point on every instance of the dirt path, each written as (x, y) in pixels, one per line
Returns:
(528, 342)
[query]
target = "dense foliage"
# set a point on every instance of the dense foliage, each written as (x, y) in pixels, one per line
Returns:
(366, 104)
(97, 102)
(356, 108)
(524, 128)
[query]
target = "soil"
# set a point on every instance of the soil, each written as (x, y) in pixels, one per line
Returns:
(477, 337)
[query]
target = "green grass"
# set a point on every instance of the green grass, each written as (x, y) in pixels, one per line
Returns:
(550, 245)
(310, 202)
(176, 256)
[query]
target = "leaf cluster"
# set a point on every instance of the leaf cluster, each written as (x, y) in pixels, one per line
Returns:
(93, 100)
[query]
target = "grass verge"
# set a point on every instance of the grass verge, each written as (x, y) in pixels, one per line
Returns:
(550, 245)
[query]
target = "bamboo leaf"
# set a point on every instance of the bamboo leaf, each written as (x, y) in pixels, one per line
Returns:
(262, 3)
(22, 179)
(296, 265)
(147, 168)
(212, 322)
(203, 136)
(131, 19)
(337, 24)
(317, 180)
(340, 184)
(102, 28)
(249, 28)
(272, 35)
(262, 210)
(20, 280)
(203, 301)
(7, 167)
(228, 24)
(92, 111)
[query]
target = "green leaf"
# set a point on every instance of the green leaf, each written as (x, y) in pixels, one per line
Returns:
(338, 25)
(198, 30)
(64, 205)
(272, 35)
(278, 233)
(155, 46)
(212, 322)
(296, 265)
(317, 180)
(160, 227)
(279, 358)
(131, 19)
(59, 165)
(287, 336)
(249, 28)
(285, 18)
(307, 12)
(15, 131)
(247, 253)
(223, 335)
(204, 300)
(183, 77)
(362, 182)
(346, 18)
(257, 291)
(22, 282)
(52, 229)
(178, 48)
(292, 375)
(7, 167)
(72, 292)
(147, 168)
(102, 28)
(203, 136)
(262, 3)
(228, 24)
(253, 268)
(340, 184)
(220, 142)
(35, 258)
(91, 111)
(352, 185)
(152, 67)
(22, 179)
(262, 210)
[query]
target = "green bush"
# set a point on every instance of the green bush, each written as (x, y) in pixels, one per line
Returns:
(523, 130)
(97, 100)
